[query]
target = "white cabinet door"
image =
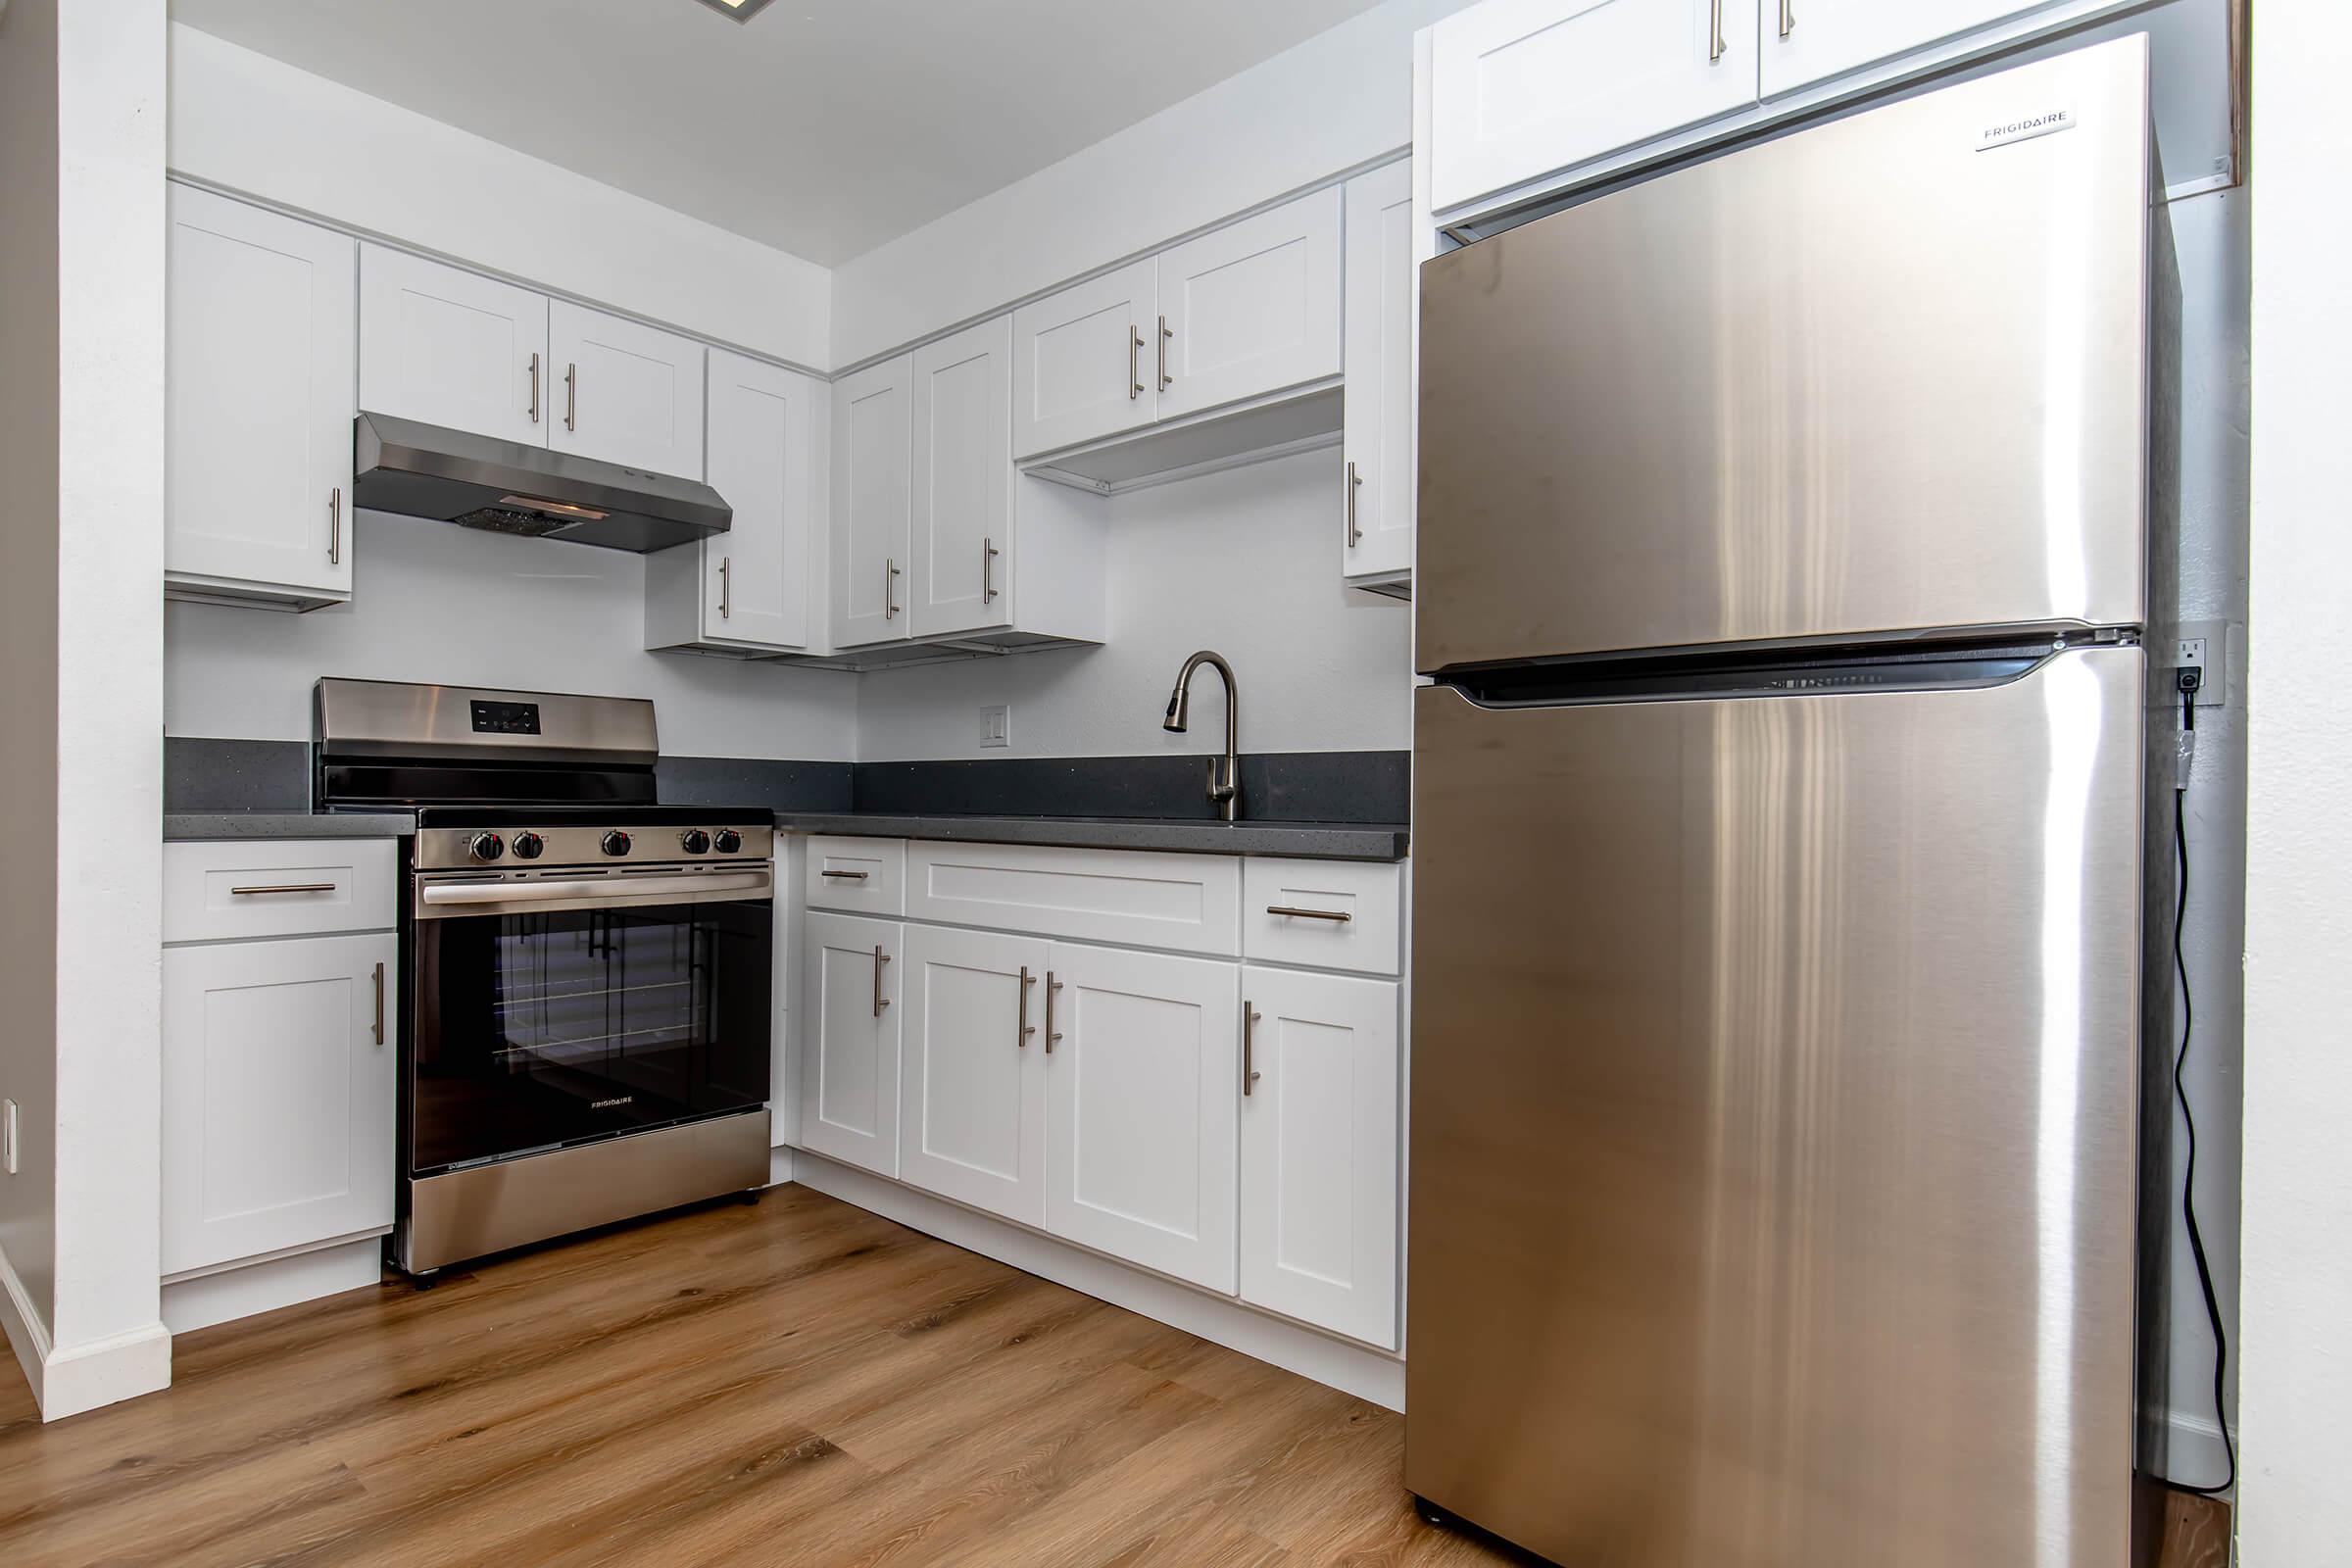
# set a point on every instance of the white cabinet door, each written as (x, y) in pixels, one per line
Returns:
(1319, 1203)
(1143, 1099)
(1807, 41)
(960, 510)
(754, 587)
(1519, 88)
(1377, 503)
(1250, 308)
(260, 319)
(850, 1040)
(279, 1093)
(873, 422)
(453, 348)
(972, 1090)
(1083, 361)
(624, 392)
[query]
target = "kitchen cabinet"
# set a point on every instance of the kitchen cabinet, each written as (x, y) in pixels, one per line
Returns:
(453, 348)
(1250, 309)
(972, 1092)
(279, 1085)
(1143, 1108)
(260, 314)
(1805, 41)
(1320, 1139)
(1376, 501)
(850, 1022)
(873, 454)
(960, 495)
(623, 392)
(1078, 361)
(748, 591)
(1519, 88)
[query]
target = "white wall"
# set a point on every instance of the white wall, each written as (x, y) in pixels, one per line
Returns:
(256, 126)
(1245, 562)
(100, 213)
(433, 602)
(1342, 98)
(2296, 1302)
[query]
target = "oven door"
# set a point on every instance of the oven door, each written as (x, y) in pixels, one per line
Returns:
(563, 1008)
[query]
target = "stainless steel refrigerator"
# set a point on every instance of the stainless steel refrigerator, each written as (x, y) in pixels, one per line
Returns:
(1791, 541)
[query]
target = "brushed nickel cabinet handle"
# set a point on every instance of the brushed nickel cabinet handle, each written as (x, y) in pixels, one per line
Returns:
(1166, 338)
(334, 526)
(880, 1000)
(890, 588)
(848, 876)
(1021, 1036)
(284, 887)
(1292, 912)
(535, 388)
(379, 1004)
(988, 569)
(1715, 45)
(726, 587)
(1250, 1017)
(1052, 988)
(1355, 482)
(1135, 377)
(572, 381)
(1788, 17)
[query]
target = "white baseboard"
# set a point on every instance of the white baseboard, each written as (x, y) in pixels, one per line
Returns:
(1356, 1369)
(83, 1377)
(779, 1165)
(201, 1302)
(28, 1334)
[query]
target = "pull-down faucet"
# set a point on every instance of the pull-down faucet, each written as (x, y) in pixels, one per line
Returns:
(1224, 773)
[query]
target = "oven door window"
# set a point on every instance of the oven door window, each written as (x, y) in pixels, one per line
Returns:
(536, 1031)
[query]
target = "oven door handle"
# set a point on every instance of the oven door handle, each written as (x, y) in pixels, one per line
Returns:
(478, 896)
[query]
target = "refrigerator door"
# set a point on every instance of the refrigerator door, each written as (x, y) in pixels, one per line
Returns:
(1774, 1090)
(1884, 375)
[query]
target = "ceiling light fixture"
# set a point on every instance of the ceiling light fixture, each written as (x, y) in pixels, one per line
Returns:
(740, 10)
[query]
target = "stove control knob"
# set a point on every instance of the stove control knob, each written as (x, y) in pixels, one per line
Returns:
(616, 842)
(729, 841)
(694, 840)
(528, 846)
(486, 846)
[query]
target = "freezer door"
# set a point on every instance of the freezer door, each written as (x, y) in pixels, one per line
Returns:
(1884, 376)
(1774, 1096)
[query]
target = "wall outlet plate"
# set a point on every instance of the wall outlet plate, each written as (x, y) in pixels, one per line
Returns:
(996, 724)
(2211, 646)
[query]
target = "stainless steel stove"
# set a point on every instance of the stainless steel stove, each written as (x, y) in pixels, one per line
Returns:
(588, 974)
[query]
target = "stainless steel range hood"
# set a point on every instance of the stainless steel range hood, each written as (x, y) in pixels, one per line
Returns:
(475, 481)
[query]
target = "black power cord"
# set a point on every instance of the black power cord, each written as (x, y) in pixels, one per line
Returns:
(2188, 681)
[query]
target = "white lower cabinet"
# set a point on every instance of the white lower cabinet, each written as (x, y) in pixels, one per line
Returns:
(279, 1085)
(1142, 1109)
(850, 1040)
(1318, 1150)
(972, 1092)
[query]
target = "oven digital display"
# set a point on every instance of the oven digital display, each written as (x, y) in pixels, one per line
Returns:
(505, 719)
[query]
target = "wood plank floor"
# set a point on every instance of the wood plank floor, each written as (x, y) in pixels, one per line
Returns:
(800, 1382)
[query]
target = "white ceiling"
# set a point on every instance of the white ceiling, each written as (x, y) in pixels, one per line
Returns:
(820, 126)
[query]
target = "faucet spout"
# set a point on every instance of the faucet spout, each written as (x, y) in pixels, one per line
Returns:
(1225, 772)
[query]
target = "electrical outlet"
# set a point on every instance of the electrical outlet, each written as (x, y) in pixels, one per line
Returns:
(8, 1135)
(996, 726)
(2208, 645)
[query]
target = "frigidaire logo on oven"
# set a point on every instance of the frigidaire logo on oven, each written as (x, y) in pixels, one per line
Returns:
(607, 1104)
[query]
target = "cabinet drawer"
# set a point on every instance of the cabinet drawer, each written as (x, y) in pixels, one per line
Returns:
(1331, 914)
(1186, 903)
(221, 890)
(866, 876)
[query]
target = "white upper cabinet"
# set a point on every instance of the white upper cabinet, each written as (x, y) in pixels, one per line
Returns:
(850, 1040)
(1519, 88)
(260, 315)
(624, 392)
(1249, 309)
(453, 348)
(1807, 41)
(747, 589)
(960, 507)
(1376, 502)
(1080, 369)
(1142, 1109)
(1318, 1139)
(873, 423)
(972, 1095)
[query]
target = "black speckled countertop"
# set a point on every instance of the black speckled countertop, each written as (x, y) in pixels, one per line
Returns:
(1324, 841)
(183, 826)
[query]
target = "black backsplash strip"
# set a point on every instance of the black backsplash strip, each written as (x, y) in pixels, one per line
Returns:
(202, 774)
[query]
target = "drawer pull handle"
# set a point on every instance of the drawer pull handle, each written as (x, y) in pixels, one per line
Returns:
(880, 1000)
(1027, 1028)
(847, 876)
(1052, 987)
(379, 1004)
(1250, 1073)
(284, 887)
(1336, 916)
